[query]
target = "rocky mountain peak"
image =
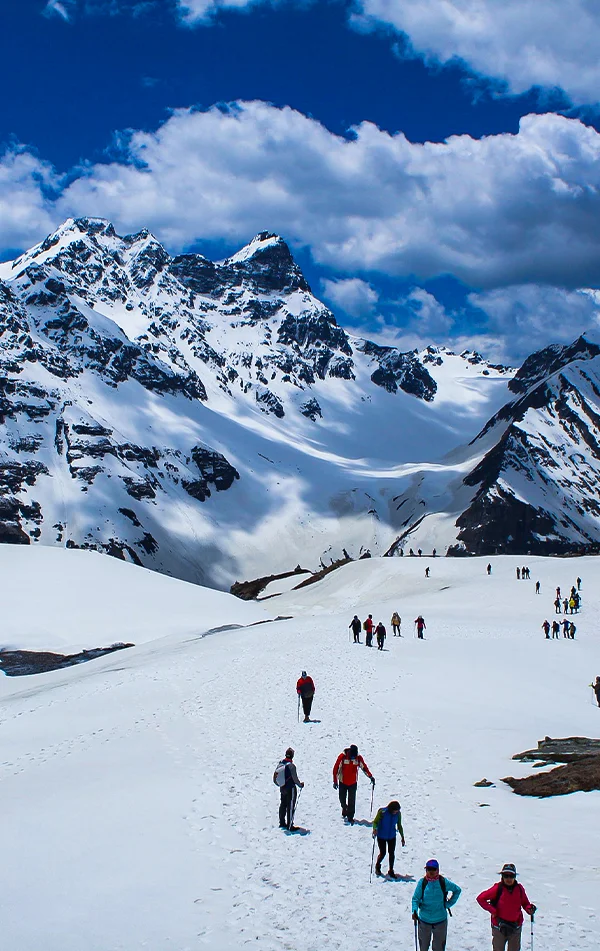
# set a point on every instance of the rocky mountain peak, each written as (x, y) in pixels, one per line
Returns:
(544, 363)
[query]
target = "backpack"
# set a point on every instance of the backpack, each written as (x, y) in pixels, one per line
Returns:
(279, 776)
(494, 901)
(364, 625)
(442, 882)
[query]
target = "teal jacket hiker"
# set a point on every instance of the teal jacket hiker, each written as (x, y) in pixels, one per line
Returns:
(429, 903)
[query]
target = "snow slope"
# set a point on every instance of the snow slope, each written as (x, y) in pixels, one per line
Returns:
(138, 808)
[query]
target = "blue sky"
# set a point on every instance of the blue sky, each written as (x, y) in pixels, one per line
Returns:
(434, 165)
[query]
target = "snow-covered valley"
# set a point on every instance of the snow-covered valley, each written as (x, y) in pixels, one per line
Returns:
(138, 807)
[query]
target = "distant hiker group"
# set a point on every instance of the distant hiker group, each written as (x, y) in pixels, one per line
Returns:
(368, 626)
(569, 605)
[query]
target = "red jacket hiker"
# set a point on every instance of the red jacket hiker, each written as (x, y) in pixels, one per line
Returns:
(305, 687)
(509, 904)
(369, 625)
(345, 769)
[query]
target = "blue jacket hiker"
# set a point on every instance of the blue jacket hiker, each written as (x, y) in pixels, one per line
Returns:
(430, 902)
(386, 823)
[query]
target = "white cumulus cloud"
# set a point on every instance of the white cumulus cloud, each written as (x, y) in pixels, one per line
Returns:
(506, 209)
(530, 316)
(355, 296)
(26, 210)
(524, 43)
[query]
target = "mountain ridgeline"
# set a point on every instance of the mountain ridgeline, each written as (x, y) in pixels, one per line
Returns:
(213, 421)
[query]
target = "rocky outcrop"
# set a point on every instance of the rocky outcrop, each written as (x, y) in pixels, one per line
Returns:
(580, 774)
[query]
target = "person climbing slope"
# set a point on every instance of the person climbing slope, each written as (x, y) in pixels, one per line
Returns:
(356, 626)
(305, 688)
(420, 625)
(369, 625)
(504, 901)
(430, 904)
(380, 633)
(396, 622)
(386, 823)
(345, 777)
(286, 777)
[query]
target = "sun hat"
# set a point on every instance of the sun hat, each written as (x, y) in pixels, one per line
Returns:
(508, 869)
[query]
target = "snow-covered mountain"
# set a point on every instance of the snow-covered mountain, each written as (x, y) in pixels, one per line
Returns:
(213, 421)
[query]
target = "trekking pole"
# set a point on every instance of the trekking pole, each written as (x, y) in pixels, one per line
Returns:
(416, 939)
(298, 708)
(295, 806)
(372, 794)
(532, 932)
(372, 860)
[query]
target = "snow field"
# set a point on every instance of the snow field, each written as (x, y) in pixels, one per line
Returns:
(138, 807)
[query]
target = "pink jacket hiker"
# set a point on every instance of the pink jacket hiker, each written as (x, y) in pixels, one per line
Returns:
(509, 904)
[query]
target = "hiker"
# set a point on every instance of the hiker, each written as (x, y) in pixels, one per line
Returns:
(305, 689)
(579, 584)
(577, 601)
(345, 776)
(421, 626)
(558, 592)
(596, 688)
(504, 901)
(368, 626)
(523, 573)
(572, 604)
(546, 628)
(489, 569)
(427, 572)
(419, 552)
(518, 574)
(434, 553)
(356, 626)
(396, 622)
(386, 823)
(557, 605)
(555, 629)
(537, 587)
(429, 907)
(566, 606)
(572, 630)
(286, 772)
(380, 633)
(565, 627)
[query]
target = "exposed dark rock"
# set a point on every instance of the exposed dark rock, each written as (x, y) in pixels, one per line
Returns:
(214, 469)
(311, 409)
(130, 514)
(24, 663)
(270, 403)
(250, 590)
(582, 775)
(139, 489)
(309, 329)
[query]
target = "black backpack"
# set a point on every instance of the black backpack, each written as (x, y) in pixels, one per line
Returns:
(494, 901)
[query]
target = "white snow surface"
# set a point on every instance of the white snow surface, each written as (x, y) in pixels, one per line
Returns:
(138, 810)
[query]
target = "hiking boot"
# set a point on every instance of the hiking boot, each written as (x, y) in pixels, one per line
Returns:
(392, 874)
(294, 828)
(351, 821)
(378, 870)
(307, 719)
